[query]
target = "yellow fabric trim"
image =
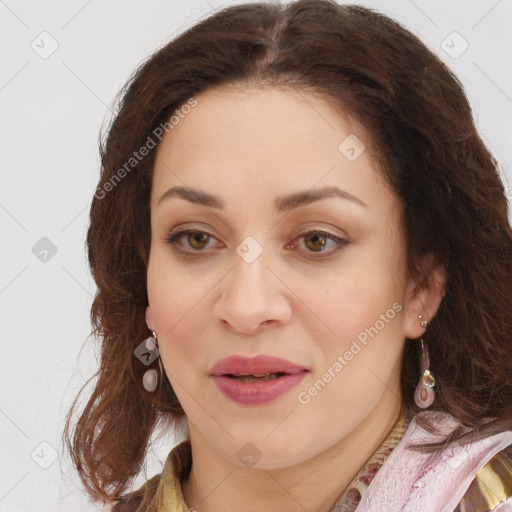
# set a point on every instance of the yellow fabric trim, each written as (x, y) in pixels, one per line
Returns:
(492, 485)
(169, 494)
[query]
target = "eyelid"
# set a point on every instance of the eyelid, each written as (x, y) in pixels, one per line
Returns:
(316, 229)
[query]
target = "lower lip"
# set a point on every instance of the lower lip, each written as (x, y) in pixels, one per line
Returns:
(255, 393)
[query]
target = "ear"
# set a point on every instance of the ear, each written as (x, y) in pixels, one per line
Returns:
(149, 318)
(424, 301)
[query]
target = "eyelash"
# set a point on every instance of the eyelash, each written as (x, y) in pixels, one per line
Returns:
(173, 238)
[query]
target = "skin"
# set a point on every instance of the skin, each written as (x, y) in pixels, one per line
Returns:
(247, 146)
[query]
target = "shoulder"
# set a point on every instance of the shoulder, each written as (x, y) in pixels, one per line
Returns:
(138, 500)
(491, 487)
(162, 491)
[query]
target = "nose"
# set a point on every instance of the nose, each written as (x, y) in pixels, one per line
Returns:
(253, 298)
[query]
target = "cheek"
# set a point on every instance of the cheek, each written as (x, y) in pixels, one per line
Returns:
(357, 364)
(173, 291)
(356, 298)
(179, 304)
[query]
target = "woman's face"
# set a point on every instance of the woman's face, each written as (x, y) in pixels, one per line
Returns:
(317, 280)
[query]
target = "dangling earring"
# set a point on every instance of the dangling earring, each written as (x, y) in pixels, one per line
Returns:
(150, 377)
(425, 394)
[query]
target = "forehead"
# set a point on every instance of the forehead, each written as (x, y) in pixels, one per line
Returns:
(276, 139)
(286, 119)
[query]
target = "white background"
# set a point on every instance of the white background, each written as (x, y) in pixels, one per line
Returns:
(51, 114)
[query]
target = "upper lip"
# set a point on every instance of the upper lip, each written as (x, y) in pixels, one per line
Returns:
(258, 365)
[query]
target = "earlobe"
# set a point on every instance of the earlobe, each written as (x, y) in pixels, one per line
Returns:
(149, 318)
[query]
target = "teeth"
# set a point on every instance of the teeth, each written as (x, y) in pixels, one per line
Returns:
(257, 377)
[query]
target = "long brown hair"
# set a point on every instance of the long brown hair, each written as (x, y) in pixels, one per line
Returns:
(427, 147)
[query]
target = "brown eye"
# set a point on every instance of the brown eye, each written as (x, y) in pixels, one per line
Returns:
(189, 240)
(318, 241)
(197, 239)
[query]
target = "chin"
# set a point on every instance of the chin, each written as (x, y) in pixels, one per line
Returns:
(264, 454)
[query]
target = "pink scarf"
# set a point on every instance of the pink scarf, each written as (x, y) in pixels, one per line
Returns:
(412, 481)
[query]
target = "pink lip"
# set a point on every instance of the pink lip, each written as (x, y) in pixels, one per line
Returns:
(252, 365)
(253, 393)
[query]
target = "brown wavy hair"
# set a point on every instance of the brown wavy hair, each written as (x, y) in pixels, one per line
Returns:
(424, 140)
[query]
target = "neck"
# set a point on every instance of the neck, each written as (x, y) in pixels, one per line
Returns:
(215, 483)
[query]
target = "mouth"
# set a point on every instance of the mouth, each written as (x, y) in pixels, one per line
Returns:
(262, 377)
(256, 381)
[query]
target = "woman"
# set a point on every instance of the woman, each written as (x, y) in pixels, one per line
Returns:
(302, 250)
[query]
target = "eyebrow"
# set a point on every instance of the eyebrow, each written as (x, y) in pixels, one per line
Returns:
(282, 204)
